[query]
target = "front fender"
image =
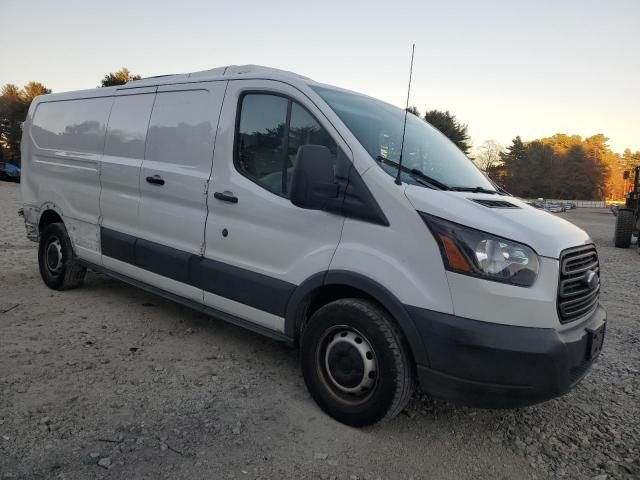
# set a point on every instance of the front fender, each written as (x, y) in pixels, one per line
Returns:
(372, 288)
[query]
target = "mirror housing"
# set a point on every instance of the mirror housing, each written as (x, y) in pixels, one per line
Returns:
(313, 183)
(321, 182)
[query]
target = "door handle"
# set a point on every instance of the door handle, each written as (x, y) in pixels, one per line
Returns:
(156, 180)
(226, 197)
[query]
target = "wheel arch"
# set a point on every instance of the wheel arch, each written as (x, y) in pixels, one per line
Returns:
(49, 213)
(324, 287)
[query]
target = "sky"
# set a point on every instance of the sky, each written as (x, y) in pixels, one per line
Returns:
(505, 68)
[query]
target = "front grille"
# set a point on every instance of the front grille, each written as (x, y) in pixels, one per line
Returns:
(575, 298)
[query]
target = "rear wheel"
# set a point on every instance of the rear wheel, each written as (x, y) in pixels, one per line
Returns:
(624, 229)
(355, 362)
(59, 268)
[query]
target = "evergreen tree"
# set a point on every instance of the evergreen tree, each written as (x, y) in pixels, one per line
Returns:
(413, 109)
(514, 161)
(449, 125)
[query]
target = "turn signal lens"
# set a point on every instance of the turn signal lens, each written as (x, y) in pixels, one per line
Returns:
(455, 258)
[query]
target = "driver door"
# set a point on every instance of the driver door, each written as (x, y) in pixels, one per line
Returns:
(259, 246)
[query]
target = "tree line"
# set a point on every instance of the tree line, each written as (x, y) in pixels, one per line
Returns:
(560, 166)
(564, 166)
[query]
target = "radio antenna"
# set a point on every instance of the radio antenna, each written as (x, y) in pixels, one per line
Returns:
(406, 111)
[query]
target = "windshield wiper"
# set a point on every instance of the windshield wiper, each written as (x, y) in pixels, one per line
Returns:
(501, 190)
(416, 174)
(474, 190)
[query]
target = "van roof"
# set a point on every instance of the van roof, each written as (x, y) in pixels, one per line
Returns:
(220, 73)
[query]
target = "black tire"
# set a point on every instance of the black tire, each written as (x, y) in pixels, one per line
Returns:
(624, 229)
(59, 268)
(331, 337)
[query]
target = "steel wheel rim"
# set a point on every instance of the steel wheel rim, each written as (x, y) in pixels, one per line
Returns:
(347, 364)
(53, 256)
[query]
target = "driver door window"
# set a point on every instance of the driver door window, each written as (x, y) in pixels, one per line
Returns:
(271, 129)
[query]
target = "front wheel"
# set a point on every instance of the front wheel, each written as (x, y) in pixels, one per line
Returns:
(355, 362)
(59, 268)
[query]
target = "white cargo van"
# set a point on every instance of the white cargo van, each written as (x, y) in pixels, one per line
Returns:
(269, 200)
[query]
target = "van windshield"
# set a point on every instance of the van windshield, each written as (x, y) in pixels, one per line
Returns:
(427, 152)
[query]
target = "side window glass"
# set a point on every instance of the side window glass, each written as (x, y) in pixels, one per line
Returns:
(72, 125)
(305, 130)
(127, 128)
(261, 140)
(270, 132)
(181, 129)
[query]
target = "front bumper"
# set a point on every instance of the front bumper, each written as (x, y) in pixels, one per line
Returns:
(489, 365)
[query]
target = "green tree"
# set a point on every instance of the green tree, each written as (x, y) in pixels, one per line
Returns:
(563, 166)
(449, 125)
(120, 77)
(515, 164)
(413, 109)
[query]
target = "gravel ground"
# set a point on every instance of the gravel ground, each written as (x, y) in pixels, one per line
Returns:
(108, 381)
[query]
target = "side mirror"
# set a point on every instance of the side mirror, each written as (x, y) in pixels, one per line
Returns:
(321, 181)
(625, 175)
(313, 184)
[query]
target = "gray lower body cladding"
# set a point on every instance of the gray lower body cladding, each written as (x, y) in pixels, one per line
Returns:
(487, 365)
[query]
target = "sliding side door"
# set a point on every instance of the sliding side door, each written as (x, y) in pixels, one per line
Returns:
(173, 184)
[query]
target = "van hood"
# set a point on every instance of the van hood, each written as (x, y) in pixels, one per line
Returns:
(546, 233)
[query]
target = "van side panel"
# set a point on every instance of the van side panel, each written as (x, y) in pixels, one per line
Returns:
(122, 160)
(179, 151)
(165, 140)
(66, 142)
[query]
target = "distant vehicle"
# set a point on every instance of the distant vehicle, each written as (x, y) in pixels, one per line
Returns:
(570, 206)
(301, 225)
(9, 171)
(552, 207)
(555, 207)
(535, 203)
(628, 215)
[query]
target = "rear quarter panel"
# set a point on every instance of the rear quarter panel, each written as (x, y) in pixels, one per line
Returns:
(62, 149)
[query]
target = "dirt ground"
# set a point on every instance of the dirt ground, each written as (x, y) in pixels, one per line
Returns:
(108, 381)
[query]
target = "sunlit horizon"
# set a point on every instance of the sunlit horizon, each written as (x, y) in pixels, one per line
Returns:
(504, 70)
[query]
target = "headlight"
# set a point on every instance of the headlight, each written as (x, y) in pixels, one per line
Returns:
(473, 252)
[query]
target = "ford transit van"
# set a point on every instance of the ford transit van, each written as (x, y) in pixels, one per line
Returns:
(274, 202)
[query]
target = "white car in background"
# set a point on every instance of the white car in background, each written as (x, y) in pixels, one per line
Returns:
(555, 207)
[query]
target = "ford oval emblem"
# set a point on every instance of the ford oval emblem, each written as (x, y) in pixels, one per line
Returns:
(591, 279)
